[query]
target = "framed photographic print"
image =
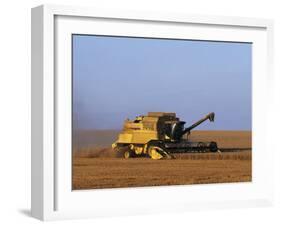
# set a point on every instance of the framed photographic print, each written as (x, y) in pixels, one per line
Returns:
(137, 112)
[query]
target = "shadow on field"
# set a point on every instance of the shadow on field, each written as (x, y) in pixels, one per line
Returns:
(25, 212)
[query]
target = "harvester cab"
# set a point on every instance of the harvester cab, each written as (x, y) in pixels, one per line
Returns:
(175, 130)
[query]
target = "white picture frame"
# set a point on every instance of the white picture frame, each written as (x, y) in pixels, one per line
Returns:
(52, 197)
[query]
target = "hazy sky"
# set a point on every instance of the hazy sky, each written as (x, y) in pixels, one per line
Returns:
(115, 78)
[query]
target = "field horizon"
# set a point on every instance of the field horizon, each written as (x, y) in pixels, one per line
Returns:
(82, 138)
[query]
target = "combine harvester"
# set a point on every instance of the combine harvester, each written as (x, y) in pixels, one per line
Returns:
(158, 135)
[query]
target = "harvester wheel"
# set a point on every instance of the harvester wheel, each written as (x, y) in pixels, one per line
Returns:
(124, 152)
(156, 152)
(128, 154)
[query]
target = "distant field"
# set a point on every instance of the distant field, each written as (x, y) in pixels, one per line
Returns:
(95, 164)
(93, 138)
(104, 138)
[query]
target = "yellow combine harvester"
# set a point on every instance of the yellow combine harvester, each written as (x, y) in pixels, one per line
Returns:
(158, 135)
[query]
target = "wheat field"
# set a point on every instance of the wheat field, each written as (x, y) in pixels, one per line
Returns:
(96, 167)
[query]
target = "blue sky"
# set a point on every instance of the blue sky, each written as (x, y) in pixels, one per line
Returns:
(115, 78)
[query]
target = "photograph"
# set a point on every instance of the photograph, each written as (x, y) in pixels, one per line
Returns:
(152, 111)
